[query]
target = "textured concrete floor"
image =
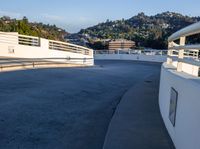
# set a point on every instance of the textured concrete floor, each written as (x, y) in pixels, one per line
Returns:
(64, 108)
(137, 123)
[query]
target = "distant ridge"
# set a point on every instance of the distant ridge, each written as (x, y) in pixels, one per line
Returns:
(147, 31)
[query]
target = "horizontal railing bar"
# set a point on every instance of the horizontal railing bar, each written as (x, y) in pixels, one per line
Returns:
(53, 41)
(62, 49)
(187, 31)
(65, 49)
(186, 47)
(185, 60)
(20, 35)
(27, 39)
(66, 46)
(186, 53)
(28, 43)
(59, 46)
(31, 42)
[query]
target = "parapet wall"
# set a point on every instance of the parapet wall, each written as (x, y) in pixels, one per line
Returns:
(185, 132)
(20, 46)
(137, 57)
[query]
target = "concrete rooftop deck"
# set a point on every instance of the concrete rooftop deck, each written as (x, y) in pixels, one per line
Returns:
(71, 108)
(137, 122)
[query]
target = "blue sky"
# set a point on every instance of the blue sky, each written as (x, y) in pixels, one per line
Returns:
(73, 15)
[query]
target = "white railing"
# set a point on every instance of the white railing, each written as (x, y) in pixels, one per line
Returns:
(187, 56)
(63, 46)
(133, 52)
(159, 56)
(14, 38)
(13, 44)
(29, 40)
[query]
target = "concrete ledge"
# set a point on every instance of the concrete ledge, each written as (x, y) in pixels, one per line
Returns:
(137, 122)
(22, 67)
(148, 58)
(23, 64)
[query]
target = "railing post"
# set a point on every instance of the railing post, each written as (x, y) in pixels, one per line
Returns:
(169, 53)
(181, 54)
(44, 43)
(91, 52)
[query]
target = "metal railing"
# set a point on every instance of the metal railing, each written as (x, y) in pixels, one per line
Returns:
(183, 53)
(63, 46)
(29, 40)
(133, 52)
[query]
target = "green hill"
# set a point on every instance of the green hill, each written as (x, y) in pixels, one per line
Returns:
(147, 31)
(25, 27)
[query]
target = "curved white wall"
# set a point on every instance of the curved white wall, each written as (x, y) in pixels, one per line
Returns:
(151, 58)
(186, 133)
(10, 41)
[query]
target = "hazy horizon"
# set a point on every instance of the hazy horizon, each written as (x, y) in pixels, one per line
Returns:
(75, 15)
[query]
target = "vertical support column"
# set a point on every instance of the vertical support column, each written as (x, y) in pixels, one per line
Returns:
(169, 53)
(17, 38)
(92, 52)
(181, 54)
(44, 43)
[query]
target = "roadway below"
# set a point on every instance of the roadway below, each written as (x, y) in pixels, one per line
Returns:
(71, 108)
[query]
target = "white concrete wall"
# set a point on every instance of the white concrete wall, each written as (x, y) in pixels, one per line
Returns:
(8, 37)
(188, 68)
(43, 51)
(186, 133)
(152, 58)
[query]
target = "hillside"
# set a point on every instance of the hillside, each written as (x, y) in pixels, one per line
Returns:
(25, 27)
(147, 31)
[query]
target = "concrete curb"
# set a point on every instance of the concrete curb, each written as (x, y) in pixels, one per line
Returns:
(26, 67)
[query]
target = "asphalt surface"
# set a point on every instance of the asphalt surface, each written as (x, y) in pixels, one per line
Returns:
(65, 108)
